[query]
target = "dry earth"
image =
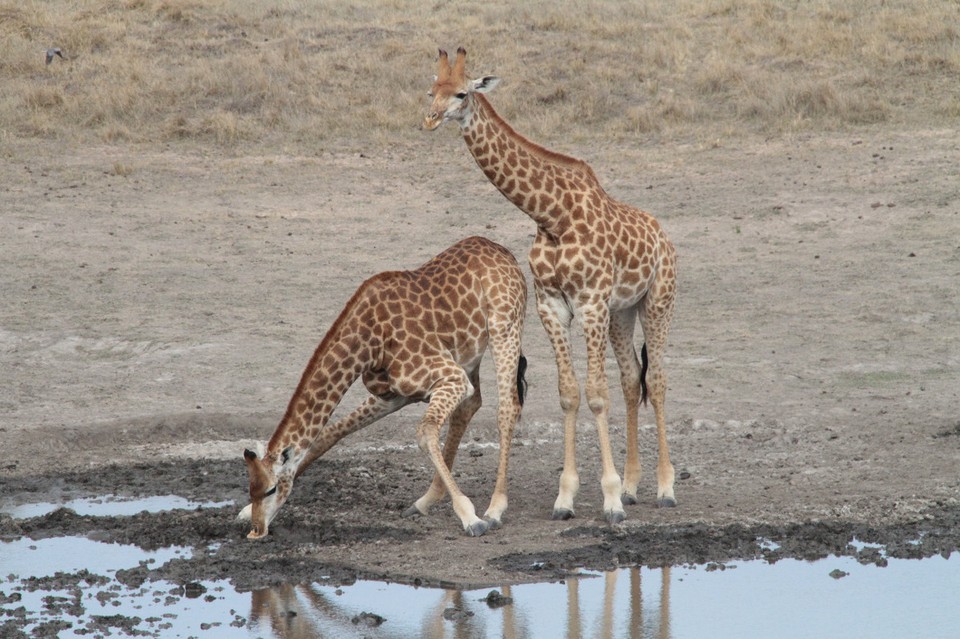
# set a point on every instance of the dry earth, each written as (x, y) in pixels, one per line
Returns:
(155, 320)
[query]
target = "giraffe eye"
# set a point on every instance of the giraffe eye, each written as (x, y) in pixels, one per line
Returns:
(270, 492)
(460, 96)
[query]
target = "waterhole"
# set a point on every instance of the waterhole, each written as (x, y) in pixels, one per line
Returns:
(75, 586)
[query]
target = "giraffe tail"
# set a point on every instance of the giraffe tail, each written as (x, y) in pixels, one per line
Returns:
(643, 375)
(521, 380)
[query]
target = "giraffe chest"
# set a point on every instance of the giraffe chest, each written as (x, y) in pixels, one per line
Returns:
(616, 273)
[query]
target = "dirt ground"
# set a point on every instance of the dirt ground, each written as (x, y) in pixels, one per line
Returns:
(160, 305)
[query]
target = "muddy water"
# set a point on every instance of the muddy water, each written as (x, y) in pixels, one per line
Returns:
(107, 506)
(788, 599)
(80, 585)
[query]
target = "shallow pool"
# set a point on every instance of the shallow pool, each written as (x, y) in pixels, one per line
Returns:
(835, 597)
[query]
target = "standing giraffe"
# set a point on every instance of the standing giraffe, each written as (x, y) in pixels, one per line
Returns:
(594, 258)
(411, 336)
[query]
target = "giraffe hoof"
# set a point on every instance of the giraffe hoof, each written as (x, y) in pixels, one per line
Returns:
(615, 517)
(493, 524)
(562, 514)
(628, 500)
(478, 528)
(666, 502)
(412, 511)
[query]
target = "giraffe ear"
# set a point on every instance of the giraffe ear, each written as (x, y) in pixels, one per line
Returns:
(484, 84)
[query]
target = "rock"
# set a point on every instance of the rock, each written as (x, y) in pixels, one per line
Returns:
(455, 614)
(496, 600)
(368, 619)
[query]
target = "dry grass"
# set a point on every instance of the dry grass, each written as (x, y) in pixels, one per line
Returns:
(304, 74)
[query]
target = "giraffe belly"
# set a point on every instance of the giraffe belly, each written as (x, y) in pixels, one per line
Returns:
(624, 296)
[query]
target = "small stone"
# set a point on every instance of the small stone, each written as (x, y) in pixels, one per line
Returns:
(455, 614)
(495, 599)
(368, 619)
(194, 589)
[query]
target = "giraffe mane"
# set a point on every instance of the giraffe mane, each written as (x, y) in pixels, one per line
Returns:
(325, 345)
(459, 70)
(533, 147)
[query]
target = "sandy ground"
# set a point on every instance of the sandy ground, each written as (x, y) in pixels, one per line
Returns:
(153, 324)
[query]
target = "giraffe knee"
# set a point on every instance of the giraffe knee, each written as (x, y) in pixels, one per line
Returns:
(425, 438)
(597, 404)
(597, 399)
(569, 401)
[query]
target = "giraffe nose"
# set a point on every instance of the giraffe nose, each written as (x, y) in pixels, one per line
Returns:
(432, 121)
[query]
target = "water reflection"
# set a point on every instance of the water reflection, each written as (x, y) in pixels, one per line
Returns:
(790, 599)
(597, 606)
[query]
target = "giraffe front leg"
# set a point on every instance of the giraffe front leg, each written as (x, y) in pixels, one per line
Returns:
(555, 315)
(459, 419)
(595, 319)
(446, 397)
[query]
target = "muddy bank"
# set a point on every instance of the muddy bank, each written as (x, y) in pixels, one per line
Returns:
(316, 536)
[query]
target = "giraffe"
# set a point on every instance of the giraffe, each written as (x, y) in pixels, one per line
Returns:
(594, 259)
(411, 336)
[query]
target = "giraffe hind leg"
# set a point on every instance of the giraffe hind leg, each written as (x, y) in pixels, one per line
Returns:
(510, 365)
(655, 319)
(622, 326)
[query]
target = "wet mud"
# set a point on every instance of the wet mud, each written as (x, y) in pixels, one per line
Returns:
(312, 528)
(315, 540)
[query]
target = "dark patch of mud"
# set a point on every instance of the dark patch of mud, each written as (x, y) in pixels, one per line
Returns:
(345, 506)
(657, 546)
(221, 550)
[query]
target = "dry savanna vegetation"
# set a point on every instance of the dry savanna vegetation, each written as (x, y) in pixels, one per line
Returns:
(299, 75)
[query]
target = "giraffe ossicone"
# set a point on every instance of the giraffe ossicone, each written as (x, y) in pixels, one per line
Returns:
(595, 259)
(411, 336)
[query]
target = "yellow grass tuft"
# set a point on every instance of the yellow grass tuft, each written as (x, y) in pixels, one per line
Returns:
(307, 74)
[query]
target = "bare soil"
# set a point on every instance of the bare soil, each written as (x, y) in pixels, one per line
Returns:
(156, 319)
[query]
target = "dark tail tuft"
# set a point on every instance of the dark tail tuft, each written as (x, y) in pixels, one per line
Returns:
(643, 375)
(521, 380)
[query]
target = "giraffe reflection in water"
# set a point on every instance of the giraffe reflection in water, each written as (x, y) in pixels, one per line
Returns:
(314, 611)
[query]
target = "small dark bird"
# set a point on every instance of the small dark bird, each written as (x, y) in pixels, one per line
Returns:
(53, 52)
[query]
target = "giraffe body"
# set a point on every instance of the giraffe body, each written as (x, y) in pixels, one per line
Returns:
(411, 336)
(595, 259)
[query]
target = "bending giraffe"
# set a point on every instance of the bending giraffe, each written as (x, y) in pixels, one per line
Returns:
(594, 258)
(411, 336)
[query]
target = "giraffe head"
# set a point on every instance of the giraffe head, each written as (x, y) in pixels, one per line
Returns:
(452, 91)
(271, 479)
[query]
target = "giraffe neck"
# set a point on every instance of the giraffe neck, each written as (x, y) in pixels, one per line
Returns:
(344, 354)
(545, 185)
